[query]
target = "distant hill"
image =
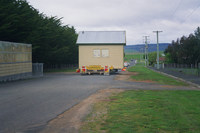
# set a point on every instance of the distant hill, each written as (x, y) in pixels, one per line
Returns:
(140, 47)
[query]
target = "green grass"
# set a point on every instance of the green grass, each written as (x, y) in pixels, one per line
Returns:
(136, 56)
(147, 74)
(62, 70)
(148, 111)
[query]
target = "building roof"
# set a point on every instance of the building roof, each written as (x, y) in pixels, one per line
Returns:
(102, 37)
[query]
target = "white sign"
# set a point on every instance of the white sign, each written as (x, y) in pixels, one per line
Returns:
(105, 53)
(96, 53)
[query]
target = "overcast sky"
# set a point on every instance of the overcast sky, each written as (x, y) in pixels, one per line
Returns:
(137, 17)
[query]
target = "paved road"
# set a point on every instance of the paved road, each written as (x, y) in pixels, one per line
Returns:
(133, 62)
(31, 103)
(27, 106)
(192, 78)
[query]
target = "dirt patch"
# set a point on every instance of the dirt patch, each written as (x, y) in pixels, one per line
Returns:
(122, 77)
(143, 81)
(130, 73)
(167, 86)
(71, 120)
(127, 77)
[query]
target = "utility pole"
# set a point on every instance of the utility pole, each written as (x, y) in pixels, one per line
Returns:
(157, 32)
(140, 54)
(146, 51)
(147, 55)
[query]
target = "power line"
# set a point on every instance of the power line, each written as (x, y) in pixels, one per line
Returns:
(173, 13)
(190, 13)
(177, 8)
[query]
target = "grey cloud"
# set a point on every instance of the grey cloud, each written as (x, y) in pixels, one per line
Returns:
(137, 17)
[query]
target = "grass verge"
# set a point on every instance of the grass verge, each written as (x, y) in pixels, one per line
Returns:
(147, 74)
(146, 111)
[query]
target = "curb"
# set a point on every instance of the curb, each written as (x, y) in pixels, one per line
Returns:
(194, 84)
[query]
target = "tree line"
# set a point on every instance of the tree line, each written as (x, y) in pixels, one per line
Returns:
(52, 42)
(185, 50)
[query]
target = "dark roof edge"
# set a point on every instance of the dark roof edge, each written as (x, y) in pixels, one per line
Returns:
(101, 43)
(103, 31)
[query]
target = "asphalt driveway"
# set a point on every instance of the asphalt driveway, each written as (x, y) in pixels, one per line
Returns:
(29, 104)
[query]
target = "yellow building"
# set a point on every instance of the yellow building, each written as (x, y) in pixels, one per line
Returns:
(101, 48)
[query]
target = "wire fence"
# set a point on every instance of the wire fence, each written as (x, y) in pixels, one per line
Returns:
(37, 70)
(188, 69)
(188, 66)
(48, 67)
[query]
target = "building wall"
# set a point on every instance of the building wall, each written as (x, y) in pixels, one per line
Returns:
(115, 57)
(15, 60)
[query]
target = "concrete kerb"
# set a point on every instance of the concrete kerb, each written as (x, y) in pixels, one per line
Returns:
(196, 85)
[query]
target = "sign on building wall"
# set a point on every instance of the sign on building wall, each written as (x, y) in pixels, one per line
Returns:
(101, 53)
(96, 53)
(105, 53)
